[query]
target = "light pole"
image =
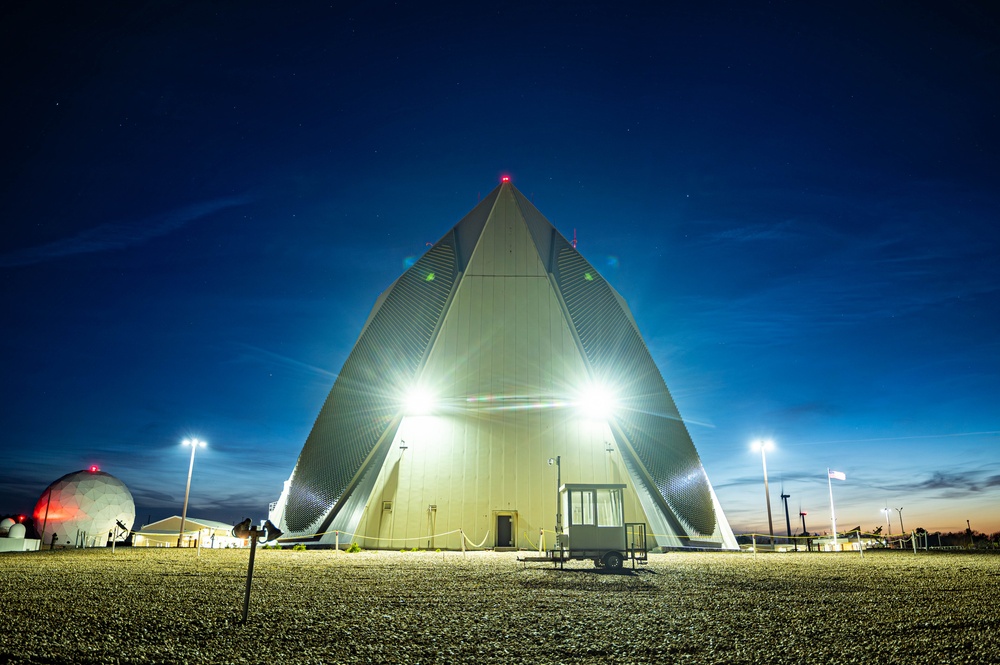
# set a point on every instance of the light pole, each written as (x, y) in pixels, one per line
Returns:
(195, 445)
(901, 529)
(557, 460)
(763, 446)
(888, 525)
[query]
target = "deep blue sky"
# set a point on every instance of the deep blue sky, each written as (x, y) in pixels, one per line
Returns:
(799, 202)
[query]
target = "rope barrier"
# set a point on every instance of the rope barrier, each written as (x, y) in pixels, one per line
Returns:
(884, 540)
(364, 537)
(480, 545)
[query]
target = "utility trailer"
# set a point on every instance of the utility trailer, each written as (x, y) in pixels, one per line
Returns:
(595, 528)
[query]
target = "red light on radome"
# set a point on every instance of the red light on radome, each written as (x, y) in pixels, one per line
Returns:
(94, 468)
(20, 518)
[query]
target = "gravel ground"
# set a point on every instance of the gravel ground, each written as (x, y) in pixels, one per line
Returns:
(174, 606)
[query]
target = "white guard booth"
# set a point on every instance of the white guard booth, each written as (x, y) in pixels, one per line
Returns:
(596, 528)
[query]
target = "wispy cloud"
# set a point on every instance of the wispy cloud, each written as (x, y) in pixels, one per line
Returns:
(107, 237)
(256, 354)
(897, 438)
(955, 483)
(752, 232)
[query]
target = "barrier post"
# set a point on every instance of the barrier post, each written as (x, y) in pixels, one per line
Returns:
(541, 540)
(337, 540)
(861, 548)
(913, 539)
(754, 536)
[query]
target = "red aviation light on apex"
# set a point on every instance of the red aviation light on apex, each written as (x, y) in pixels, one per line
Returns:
(94, 468)
(505, 178)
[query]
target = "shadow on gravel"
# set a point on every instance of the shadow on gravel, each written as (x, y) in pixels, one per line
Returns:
(600, 572)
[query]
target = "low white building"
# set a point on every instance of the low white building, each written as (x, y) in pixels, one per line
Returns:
(206, 533)
(12, 537)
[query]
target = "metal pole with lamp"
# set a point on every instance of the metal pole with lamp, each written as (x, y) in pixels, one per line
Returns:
(558, 462)
(195, 444)
(830, 475)
(763, 446)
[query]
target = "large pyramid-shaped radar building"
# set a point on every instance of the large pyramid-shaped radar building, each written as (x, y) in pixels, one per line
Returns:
(500, 349)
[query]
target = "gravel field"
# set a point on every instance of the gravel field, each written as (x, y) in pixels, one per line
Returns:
(174, 606)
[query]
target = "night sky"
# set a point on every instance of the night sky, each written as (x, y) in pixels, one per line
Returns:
(202, 201)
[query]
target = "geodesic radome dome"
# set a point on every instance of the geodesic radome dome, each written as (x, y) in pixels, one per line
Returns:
(82, 508)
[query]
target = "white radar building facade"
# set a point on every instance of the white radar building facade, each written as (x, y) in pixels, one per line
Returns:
(497, 365)
(83, 508)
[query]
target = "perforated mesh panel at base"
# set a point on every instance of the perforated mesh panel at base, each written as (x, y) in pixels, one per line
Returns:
(647, 414)
(365, 398)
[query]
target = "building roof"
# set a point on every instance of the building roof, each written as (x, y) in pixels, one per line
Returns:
(173, 524)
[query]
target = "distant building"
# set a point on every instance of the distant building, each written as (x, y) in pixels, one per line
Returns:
(12, 537)
(164, 534)
(498, 352)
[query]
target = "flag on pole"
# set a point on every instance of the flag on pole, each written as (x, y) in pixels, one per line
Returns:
(837, 475)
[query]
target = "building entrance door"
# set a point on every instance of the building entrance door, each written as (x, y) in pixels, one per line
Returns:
(505, 531)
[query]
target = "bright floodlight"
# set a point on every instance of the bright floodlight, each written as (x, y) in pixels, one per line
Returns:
(597, 401)
(418, 402)
(762, 444)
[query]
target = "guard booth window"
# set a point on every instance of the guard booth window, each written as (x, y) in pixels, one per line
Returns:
(609, 507)
(582, 507)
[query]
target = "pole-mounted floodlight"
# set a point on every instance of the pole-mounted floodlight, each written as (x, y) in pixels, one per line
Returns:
(557, 460)
(763, 446)
(195, 445)
(256, 534)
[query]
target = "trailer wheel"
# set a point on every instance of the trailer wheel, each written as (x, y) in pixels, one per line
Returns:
(613, 561)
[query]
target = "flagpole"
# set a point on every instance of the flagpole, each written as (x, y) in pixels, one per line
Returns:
(833, 514)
